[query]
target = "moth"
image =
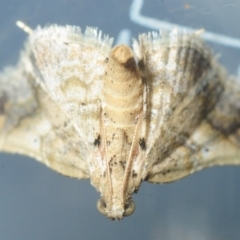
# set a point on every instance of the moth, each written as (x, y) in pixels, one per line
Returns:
(118, 116)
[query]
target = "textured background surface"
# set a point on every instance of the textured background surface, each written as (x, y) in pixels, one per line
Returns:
(37, 203)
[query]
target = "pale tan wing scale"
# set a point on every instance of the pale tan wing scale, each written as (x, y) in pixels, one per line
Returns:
(51, 94)
(69, 67)
(187, 90)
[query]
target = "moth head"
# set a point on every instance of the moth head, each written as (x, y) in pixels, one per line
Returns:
(115, 212)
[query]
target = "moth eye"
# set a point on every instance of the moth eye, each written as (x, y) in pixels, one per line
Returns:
(101, 206)
(129, 209)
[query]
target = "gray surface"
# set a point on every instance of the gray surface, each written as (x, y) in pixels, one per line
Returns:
(37, 203)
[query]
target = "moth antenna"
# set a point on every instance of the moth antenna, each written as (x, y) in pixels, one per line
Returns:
(24, 27)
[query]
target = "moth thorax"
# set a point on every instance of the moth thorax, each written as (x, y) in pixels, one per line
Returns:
(123, 89)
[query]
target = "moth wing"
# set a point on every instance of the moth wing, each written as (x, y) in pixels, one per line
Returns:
(69, 66)
(187, 91)
(22, 122)
(32, 124)
(63, 150)
(215, 142)
(208, 147)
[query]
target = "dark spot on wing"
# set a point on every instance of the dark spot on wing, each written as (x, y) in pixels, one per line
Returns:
(122, 164)
(142, 143)
(141, 65)
(134, 174)
(97, 141)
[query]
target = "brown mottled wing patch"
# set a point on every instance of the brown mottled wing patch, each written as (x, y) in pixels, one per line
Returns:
(69, 67)
(225, 117)
(190, 112)
(207, 147)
